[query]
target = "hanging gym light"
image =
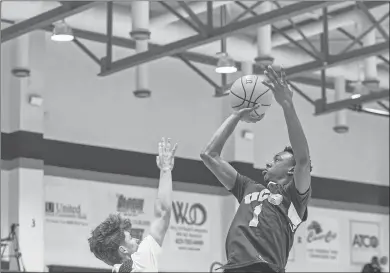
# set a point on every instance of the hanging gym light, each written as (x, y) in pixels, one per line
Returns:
(62, 32)
(225, 63)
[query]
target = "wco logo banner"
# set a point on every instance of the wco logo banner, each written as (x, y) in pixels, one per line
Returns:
(189, 228)
(189, 214)
(365, 242)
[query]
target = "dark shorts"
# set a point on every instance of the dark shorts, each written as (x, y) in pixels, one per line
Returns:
(259, 267)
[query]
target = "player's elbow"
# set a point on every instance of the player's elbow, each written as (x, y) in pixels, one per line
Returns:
(162, 209)
(207, 156)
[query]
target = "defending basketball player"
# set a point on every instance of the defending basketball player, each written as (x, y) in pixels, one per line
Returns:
(262, 232)
(112, 242)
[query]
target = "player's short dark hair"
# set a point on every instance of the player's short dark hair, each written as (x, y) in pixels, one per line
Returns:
(107, 237)
(289, 149)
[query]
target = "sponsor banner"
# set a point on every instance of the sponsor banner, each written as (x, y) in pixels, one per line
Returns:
(65, 213)
(64, 206)
(134, 208)
(190, 225)
(364, 240)
(74, 208)
(322, 239)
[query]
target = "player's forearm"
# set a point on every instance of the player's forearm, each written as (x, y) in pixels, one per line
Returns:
(215, 146)
(296, 134)
(164, 194)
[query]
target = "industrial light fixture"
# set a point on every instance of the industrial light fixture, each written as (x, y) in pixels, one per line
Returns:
(225, 64)
(62, 32)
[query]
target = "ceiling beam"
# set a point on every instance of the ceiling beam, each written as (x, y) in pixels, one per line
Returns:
(214, 35)
(44, 19)
(369, 5)
(191, 56)
(321, 109)
(334, 60)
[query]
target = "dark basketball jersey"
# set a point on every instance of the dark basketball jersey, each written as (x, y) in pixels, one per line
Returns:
(263, 228)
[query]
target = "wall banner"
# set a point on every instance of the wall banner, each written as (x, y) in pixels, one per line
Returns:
(364, 240)
(322, 239)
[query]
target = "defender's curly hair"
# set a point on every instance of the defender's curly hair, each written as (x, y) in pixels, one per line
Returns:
(107, 237)
(290, 150)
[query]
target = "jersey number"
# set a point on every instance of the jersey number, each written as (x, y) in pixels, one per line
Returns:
(256, 212)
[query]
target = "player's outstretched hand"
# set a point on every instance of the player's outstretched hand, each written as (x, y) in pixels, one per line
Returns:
(166, 154)
(249, 115)
(279, 85)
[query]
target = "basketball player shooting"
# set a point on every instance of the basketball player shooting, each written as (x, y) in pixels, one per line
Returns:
(112, 242)
(262, 232)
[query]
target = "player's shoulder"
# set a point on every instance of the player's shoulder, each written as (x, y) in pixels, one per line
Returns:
(255, 187)
(147, 245)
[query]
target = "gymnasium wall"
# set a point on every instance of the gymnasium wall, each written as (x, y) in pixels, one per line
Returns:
(194, 241)
(83, 108)
(4, 203)
(330, 240)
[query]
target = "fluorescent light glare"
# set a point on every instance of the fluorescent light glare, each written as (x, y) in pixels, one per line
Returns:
(62, 33)
(226, 69)
(355, 96)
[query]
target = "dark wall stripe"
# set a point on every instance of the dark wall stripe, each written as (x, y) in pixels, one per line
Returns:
(23, 144)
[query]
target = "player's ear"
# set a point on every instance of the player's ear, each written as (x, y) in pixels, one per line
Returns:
(122, 250)
(291, 171)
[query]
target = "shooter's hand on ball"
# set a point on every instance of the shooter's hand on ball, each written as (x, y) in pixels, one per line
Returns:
(279, 86)
(166, 155)
(249, 115)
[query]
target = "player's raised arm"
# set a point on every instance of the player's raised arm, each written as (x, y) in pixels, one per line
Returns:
(211, 155)
(163, 204)
(283, 95)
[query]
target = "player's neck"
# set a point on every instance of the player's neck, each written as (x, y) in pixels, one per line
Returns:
(284, 180)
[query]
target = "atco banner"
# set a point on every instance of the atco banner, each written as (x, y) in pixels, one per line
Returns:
(322, 242)
(364, 241)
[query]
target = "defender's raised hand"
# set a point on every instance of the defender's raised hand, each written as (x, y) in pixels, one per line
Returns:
(249, 115)
(279, 85)
(166, 154)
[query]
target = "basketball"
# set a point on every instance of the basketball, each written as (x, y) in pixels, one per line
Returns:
(248, 91)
